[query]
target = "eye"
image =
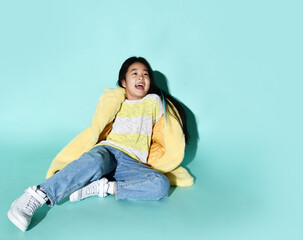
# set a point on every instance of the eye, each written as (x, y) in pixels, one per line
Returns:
(134, 73)
(146, 74)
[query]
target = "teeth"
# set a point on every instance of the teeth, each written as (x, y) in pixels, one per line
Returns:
(140, 85)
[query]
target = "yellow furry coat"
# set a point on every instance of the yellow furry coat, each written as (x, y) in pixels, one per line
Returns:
(166, 151)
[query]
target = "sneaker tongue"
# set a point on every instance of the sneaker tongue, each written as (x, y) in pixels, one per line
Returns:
(42, 194)
(34, 193)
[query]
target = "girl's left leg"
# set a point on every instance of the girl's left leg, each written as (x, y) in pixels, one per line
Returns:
(138, 181)
(133, 180)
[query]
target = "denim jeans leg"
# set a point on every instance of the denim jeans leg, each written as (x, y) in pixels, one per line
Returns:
(138, 181)
(89, 167)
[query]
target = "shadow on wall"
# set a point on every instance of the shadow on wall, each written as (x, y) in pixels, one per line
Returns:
(191, 146)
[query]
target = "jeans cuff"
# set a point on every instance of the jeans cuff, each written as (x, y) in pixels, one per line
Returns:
(50, 198)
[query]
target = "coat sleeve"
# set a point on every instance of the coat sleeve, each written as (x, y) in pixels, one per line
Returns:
(167, 151)
(107, 107)
(168, 145)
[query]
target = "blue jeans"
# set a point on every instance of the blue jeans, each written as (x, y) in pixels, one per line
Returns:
(134, 180)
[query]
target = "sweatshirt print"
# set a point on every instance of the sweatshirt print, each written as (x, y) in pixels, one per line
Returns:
(132, 128)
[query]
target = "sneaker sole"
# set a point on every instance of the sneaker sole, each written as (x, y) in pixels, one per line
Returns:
(16, 221)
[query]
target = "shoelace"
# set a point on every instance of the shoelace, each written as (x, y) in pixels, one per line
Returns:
(32, 206)
(92, 189)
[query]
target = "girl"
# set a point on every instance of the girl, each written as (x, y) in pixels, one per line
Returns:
(132, 149)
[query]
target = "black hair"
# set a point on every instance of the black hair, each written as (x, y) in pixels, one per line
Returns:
(168, 99)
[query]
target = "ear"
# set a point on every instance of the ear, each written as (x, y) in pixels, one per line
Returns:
(123, 83)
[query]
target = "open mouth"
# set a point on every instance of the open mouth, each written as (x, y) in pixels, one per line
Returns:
(140, 86)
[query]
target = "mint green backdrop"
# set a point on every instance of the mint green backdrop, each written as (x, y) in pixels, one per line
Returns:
(235, 65)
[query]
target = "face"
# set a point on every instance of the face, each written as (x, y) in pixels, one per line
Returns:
(137, 81)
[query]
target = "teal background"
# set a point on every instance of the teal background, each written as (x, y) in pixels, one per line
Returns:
(235, 65)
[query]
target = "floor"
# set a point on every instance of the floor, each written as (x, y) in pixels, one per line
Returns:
(210, 209)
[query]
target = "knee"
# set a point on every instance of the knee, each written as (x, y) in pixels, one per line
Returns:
(99, 155)
(91, 161)
(97, 159)
(160, 186)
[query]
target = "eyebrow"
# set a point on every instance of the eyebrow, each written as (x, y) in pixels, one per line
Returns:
(137, 69)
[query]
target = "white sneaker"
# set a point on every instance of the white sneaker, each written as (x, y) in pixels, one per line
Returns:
(22, 210)
(98, 187)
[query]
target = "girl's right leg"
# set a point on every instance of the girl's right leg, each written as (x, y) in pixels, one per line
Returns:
(89, 167)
